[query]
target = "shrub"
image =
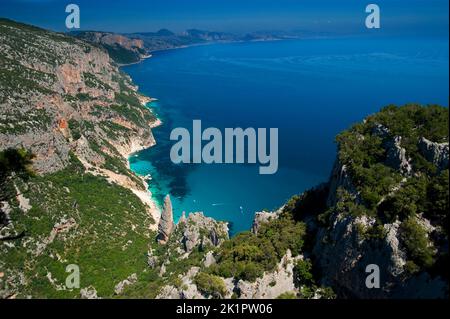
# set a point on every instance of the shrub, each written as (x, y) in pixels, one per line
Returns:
(210, 285)
(414, 238)
(75, 129)
(287, 295)
(302, 272)
(246, 256)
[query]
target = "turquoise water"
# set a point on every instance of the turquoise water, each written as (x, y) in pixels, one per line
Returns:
(309, 89)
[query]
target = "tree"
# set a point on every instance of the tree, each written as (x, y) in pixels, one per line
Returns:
(13, 163)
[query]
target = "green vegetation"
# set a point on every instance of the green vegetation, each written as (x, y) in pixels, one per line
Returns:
(14, 163)
(210, 285)
(108, 240)
(83, 97)
(93, 82)
(418, 246)
(127, 99)
(246, 256)
(21, 122)
(75, 130)
(287, 295)
(302, 272)
(386, 194)
(364, 154)
(121, 55)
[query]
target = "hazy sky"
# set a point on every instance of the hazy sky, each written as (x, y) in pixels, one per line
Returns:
(428, 17)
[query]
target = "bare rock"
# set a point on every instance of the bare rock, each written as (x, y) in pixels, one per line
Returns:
(200, 231)
(166, 224)
(88, 293)
(272, 284)
(209, 259)
(340, 178)
(152, 260)
(436, 153)
(186, 290)
(120, 287)
(396, 156)
(262, 218)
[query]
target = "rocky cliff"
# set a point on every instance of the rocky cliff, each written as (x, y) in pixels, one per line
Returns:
(385, 205)
(165, 225)
(65, 101)
(69, 118)
(122, 49)
(396, 223)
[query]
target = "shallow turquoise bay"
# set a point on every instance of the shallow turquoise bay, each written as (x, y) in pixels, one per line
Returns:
(309, 89)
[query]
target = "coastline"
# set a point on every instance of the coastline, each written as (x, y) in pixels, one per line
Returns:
(150, 53)
(137, 62)
(137, 146)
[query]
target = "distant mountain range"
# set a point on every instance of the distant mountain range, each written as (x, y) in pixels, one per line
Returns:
(133, 47)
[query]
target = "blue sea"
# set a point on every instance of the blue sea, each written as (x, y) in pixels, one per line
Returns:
(309, 89)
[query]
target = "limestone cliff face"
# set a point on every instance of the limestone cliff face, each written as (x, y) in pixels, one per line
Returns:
(343, 248)
(201, 231)
(437, 153)
(67, 102)
(61, 96)
(122, 49)
(395, 154)
(271, 284)
(343, 252)
(112, 39)
(166, 224)
(340, 179)
(343, 255)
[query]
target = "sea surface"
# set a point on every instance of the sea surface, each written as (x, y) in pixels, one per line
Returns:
(309, 89)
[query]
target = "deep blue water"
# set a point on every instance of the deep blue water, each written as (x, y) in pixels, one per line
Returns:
(309, 89)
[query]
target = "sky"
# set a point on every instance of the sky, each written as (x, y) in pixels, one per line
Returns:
(428, 17)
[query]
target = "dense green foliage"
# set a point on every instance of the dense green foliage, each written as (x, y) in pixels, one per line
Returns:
(210, 285)
(387, 194)
(302, 272)
(364, 154)
(246, 256)
(417, 245)
(311, 203)
(108, 240)
(14, 163)
(121, 55)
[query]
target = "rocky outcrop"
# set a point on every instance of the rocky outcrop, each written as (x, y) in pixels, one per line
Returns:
(261, 218)
(88, 293)
(340, 178)
(187, 289)
(122, 49)
(396, 156)
(343, 253)
(152, 260)
(271, 284)
(436, 153)
(209, 259)
(120, 287)
(201, 231)
(166, 224)
(61, 228)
